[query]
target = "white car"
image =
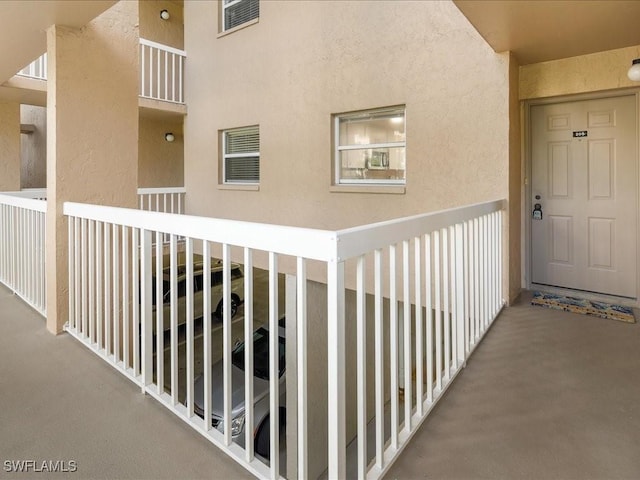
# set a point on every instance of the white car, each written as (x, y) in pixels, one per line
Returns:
(237, 291)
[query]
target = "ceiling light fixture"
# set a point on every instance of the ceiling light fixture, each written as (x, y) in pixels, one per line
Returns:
(164, 15)
(634, 71)
(169, 137)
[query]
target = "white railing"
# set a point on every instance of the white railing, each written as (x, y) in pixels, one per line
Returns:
(162, 199)
(36, 69)
(34, 193)
(411, 295)
(161, 72)
(22, 247)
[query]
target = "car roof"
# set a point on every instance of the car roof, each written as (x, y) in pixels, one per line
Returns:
(197, 268)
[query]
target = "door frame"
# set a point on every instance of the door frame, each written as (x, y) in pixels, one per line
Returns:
(527, 204)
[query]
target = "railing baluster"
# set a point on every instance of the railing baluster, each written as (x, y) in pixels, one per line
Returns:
(460, 315)
(145, 312)
(189, 327)
(116, 294)
(226, 345)
(468, 300)
(361, 354)
(438, 312)
(487, 259)
(453, 279)
(173, 77)
(417, 245)
(406, 300)
(336, 370)
(476, 283)
(248, 354)
(173, 294)
(158, 84)
(135, 267)
(107, 288)
(429, 313)
(166, 75)
(83, 275)
(159, 305)
(393, 345)
(92, 284)
(143, 71)
(379, 358)
(206, 344)
(301, 356)
(181, 96)
(274, 368)
(99, 284)
(125, 297)
(445, 301)
(71, 272)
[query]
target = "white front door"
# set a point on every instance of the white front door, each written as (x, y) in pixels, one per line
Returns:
(584, 181)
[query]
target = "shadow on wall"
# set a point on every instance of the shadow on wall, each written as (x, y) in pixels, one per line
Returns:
(33, 146)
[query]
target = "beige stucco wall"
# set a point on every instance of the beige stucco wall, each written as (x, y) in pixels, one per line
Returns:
(587, 73)
(9, 147)
(167, 32)
(92, 119)
(303, 62)
(160, 163)
(33, 147)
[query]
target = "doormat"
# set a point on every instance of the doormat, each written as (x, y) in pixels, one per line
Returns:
(583, 306)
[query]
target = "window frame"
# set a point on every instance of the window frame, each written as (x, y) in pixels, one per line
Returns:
(223, 23)
(225, 156)
(338, 181)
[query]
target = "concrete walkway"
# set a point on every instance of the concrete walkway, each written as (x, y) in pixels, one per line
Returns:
(547, 395)
(60, 402)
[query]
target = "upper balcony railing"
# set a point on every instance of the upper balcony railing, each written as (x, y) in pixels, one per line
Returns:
(161, 72)
(36, 69)
(162, 199)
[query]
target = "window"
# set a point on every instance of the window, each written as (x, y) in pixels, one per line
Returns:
(237, 12)
(241, 155)
(370, 147)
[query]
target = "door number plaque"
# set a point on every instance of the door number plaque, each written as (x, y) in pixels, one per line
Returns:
(580, 133)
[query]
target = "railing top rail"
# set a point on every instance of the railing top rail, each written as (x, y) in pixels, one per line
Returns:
(159, 190)
(28, 193)
(160, 46)
(316, 244)
(294, 241)
(366, 238)
(8, 198)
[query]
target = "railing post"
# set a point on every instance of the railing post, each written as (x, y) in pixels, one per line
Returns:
(301, 356)
(460, 295)
(336, 369)
(145, 316)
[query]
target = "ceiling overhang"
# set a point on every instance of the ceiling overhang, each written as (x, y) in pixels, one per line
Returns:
(23, 27)
(538, 31)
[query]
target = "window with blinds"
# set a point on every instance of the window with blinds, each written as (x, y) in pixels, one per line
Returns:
(241, 155)
(237, 12)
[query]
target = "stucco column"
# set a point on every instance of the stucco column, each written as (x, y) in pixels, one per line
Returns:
(9, 147)
(92, 142)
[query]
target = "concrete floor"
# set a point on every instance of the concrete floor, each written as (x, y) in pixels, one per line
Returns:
(547, 395)
(59, 401)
